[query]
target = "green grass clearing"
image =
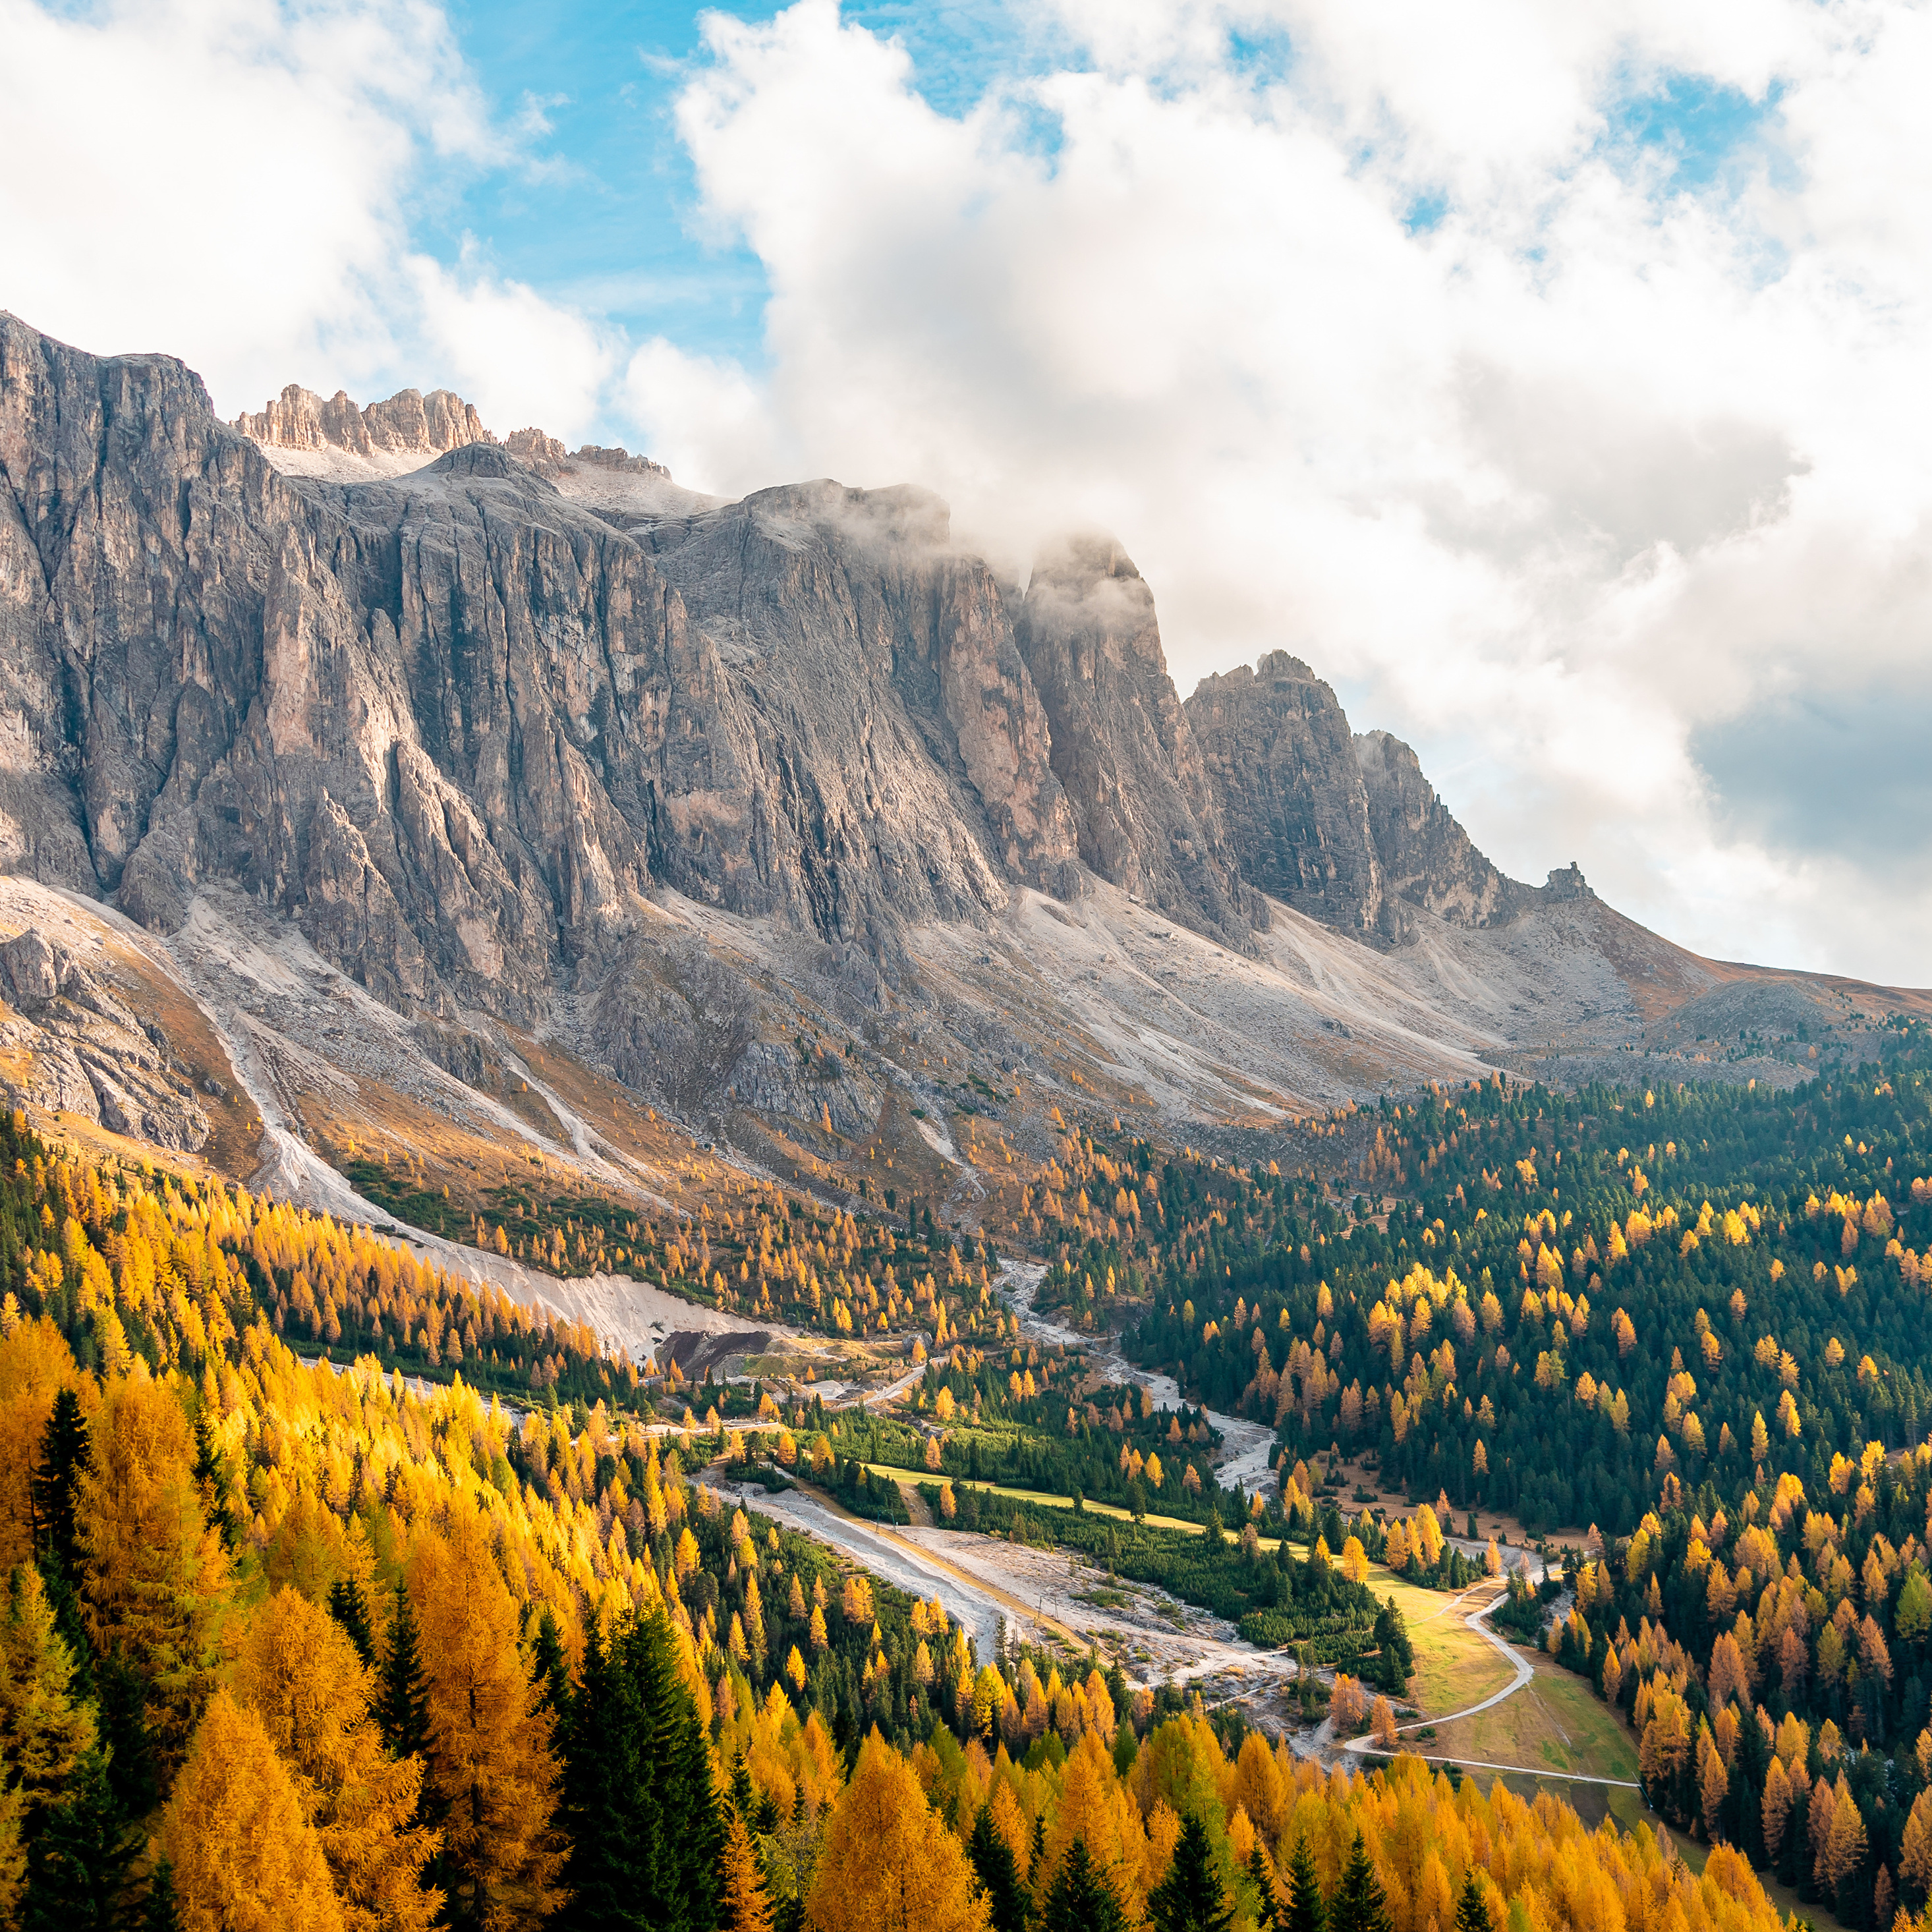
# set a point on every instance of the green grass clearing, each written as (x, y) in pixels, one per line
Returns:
(1555, 1720)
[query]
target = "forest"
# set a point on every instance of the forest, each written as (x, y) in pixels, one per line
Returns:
(294, 1643)
(1694, 1320)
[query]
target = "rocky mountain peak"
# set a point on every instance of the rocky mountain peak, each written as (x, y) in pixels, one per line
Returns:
(1145, 813)
(1281, 759)
(409, 423)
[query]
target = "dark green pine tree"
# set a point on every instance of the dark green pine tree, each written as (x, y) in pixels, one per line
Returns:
(550, 1672)
(77, 1864)
(1081, 1900)
(53, 1482)
(1472, 1915)
(1306, 1912)
(350, 1609)
(121, 1703)
(211, 1478)
(402, 1696)
(999, 1875)
(1191, 1898)
(1360, 1904)
(638, 1806)
(602, 1771)
(1398, 1655)
(157, 1909)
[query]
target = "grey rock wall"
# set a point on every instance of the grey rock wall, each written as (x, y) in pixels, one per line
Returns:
(1282, 760)
(1146, 813)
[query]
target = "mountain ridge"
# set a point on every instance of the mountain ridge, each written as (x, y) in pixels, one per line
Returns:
(786, 816)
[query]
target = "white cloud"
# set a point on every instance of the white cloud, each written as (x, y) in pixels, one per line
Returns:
(1596, 485)
(227, 180)
(1562, 484)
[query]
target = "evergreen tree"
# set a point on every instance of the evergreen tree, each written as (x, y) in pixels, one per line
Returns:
(1081, 1900)
(645, 1833)
(998, 1873)
(1190, 1898)
(121, 1700)
(549, 1672)
(158, 1913)
(54, 1481)
(77, 1866)
(1267, 1908)
(348, 1607)
(1398, 1655)
(1472, 1915)
(1360, 1904)
(211, 1478)
(402, 1695)
(1305, 1911)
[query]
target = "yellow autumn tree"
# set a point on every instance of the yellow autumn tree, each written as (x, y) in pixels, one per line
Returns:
(1095, 1810)
(490, 1760)
(744, 1907)
(886, 1864)
(245, 1857)
(297, 1671)
(155, 1577)
(35, 1365)
(44, 1729)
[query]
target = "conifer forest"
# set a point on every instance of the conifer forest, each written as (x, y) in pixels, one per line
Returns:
(341, 1593)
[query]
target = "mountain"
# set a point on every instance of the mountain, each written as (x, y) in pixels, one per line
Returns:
(412, 787)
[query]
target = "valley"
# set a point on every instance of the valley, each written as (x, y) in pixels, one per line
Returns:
(713, 1105)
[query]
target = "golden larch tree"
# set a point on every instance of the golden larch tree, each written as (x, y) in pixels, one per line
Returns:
(35, 1365)
(887, 1864)
(744, 1907)
(245, 1857)
(297, 1671)
(490, 1760)
(155, 1577)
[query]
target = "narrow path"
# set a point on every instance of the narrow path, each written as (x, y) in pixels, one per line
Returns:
(1244, 1445)
(1525, 1675)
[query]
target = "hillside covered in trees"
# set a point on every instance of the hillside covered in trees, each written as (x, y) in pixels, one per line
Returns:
(1694, 1320)
(289, 1644)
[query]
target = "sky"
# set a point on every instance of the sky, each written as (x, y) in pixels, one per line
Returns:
(1553, 380)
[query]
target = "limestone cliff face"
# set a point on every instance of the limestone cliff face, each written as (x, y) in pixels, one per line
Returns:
(1345, 828)
(459, 727)
(1146, 816)
(408, 423)
(1426, 857)
(890, 710)
(1282, 760)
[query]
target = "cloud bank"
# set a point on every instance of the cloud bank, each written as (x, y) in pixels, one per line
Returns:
(1553, 380)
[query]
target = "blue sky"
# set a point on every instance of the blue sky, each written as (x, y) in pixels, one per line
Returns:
(1551, 379)
(606, 221)
(610, 225)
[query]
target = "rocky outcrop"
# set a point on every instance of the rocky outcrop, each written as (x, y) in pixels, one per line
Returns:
(409, 423)
(71, 1046)
(460, 728)
(1282, 760)
(1426, 857)
(1145, 813)
(1344, 828)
